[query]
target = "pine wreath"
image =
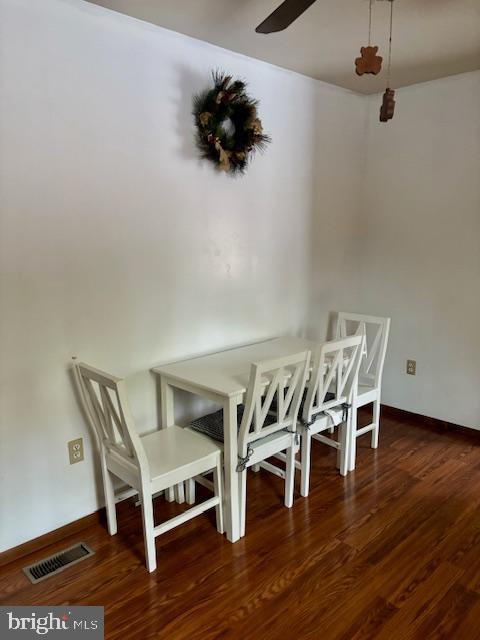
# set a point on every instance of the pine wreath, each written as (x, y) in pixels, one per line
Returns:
(228, 103)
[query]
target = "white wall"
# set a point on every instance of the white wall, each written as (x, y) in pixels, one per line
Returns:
(420, 245)
(117, 245)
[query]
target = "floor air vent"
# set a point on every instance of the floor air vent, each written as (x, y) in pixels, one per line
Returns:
(58, 562)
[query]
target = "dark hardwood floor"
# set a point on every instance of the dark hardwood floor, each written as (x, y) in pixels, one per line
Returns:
(390, 552)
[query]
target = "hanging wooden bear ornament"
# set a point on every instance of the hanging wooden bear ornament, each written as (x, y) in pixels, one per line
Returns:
(388, 105)
(368, 62)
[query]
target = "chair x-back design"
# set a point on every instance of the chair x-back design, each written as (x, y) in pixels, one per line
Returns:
(376, 331)
(328, 400)
(279, 382)
(150, 463)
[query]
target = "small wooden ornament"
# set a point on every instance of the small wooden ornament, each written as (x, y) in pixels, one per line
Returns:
(388, 105)
(368, 62)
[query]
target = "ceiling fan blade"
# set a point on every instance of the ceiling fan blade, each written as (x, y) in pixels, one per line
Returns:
(284, 15)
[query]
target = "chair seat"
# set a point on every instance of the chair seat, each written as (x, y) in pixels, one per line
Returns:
(366, 394)
(324, 420)
(170, 450)
(211, 425)
(270, 445)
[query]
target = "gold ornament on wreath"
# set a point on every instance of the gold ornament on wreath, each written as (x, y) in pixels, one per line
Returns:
(228, 129)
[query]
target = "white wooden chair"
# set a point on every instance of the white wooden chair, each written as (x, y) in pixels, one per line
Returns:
(376, 332)
(262, 434)
(150, 463)
(329, 400)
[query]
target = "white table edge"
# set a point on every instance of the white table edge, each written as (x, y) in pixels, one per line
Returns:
(181, 383)
(158, 368)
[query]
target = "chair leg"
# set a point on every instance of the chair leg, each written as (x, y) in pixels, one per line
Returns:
(342, 453)
(376, 422)
(242, 487)
(180, 493)
(190, 491)
(218, 487)
(289, 476)
(352, 439)
(305, 462)
(109, 499)
(170, 494)
(148, 531)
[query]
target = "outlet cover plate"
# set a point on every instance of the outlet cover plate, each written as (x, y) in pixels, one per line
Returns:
(75, 450)
(411, 367)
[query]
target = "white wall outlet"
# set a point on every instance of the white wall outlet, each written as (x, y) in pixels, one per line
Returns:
(75, 450)
(411, 367)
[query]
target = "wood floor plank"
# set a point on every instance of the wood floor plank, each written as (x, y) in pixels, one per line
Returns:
(389, 552)
(408, 623)
(444, 620)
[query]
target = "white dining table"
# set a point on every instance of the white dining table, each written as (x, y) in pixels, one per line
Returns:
(222, 377)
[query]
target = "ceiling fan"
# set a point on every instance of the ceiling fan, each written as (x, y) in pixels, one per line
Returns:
(284, 15)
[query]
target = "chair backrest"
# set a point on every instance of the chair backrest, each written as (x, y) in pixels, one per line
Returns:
(334, 376)
(281, 381)
(104, 401)
(376, 332)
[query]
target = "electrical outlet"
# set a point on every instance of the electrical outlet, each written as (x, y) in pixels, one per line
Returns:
(411, 367)
(75, 450)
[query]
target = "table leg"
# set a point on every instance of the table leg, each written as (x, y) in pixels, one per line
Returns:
(168, 419)
(167, 400)
(232, 503)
